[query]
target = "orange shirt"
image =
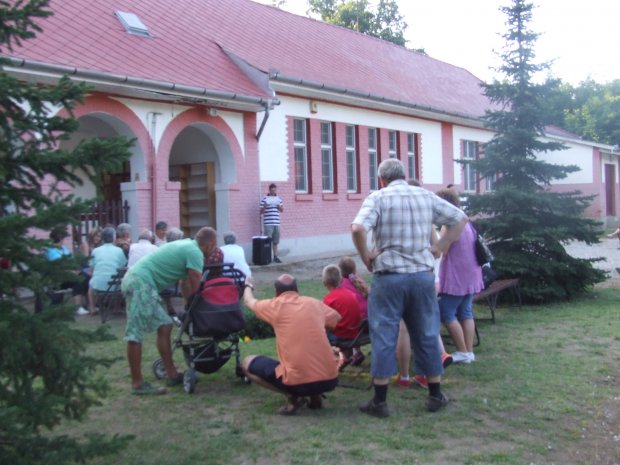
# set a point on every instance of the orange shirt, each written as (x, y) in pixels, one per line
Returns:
(299, 323)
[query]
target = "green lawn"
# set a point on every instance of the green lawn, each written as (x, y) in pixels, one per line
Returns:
(542, 374)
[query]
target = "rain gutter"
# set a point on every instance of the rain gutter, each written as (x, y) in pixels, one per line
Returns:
(170, 88)
(427, 111)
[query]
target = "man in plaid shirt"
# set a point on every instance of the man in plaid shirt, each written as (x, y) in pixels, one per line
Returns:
(401, 218)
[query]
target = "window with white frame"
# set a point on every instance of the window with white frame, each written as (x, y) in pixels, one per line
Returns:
(301, 155)
(393, 140)
(470, 152)
(490, 183)
(412, 156)
(351, 152)
(327, 157)
(372, 158)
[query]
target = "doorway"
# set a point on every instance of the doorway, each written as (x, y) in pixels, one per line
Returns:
(197, 196)
(610, 189)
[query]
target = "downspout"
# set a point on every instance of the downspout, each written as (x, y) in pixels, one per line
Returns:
(153, 132)
(264, 122)
(260, 131)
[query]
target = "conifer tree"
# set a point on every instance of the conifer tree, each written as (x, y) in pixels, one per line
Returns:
(46, 375)
(527, 223)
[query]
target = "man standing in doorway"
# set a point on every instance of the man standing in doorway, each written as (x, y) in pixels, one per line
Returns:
(401, 219)
(270, 208)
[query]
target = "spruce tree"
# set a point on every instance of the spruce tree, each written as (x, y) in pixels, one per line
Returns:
(526, 222)
(46, 374)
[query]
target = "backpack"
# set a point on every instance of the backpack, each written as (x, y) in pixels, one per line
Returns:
(482, 250)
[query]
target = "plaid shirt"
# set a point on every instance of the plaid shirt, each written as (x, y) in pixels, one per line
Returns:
(401, 218)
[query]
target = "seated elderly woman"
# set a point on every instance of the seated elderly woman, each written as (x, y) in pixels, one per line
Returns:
(105, 261)
(142, 248)
(235, 254)
(123, 237)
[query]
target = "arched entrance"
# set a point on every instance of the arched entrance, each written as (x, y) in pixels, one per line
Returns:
(201, 160)
(117, 207)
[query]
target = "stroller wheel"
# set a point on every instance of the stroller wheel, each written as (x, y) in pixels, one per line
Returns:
(189, 381)
(158, 369)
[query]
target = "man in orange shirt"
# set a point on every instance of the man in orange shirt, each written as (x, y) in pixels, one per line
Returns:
(306, 366)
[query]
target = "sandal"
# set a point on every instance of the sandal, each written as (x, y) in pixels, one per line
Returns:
(146, 389)
(316, 402)
(291, 407)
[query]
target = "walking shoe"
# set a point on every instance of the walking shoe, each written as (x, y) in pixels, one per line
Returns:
(146, 389)
(421, 381)
(436, 403)
(276, 260)
(402, 382)
(379, 410)
(461, 357)
(472, 357)
(81, 311)
(178, 379)
(446, 360)
(357, 359)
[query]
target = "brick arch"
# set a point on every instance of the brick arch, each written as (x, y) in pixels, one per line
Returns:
(102, 104)
(184, 120)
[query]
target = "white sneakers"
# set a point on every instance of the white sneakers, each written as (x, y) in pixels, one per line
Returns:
(463, 357)
(81, 311)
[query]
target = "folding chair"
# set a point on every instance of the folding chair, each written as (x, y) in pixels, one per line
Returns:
(361, 339)
(112, 299)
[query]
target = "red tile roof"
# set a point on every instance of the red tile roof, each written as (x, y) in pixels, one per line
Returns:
(190, 38)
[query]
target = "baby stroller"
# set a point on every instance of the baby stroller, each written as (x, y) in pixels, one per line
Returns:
(208, 332)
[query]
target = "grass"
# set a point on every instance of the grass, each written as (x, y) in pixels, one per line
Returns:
(542, 374)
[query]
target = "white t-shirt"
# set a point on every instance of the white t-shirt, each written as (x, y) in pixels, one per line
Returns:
(138, 250)
(234, 253)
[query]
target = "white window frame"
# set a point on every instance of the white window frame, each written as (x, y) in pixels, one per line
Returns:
(373, 162)
(300, 149)
(490, 183)
(412, 148)
(393, 144)
(327, 157)
(470, 176)
(351, 158)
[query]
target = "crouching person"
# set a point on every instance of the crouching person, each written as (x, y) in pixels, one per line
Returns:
(306, 367)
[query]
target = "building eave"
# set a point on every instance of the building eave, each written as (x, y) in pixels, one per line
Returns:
(322, 91)
(47, 73)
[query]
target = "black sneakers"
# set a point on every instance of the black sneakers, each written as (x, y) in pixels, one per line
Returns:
(379, 410)
(436, 403)
(276, 260)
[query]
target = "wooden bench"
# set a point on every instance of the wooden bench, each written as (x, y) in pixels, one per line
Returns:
(491, 293)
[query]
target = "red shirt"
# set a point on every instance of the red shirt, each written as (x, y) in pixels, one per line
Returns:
(344, 302)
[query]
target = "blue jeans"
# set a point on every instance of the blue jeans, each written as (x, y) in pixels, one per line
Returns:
(410, 296)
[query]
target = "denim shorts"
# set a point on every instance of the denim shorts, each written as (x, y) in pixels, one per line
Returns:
(145, 312)
(265, 369)
(410, 296)
(456, 307)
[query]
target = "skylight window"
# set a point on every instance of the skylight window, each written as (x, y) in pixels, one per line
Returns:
(132, 23)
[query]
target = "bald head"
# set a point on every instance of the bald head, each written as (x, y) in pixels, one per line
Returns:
(285, 283)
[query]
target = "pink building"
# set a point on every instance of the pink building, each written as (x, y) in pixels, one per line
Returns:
(225, 97)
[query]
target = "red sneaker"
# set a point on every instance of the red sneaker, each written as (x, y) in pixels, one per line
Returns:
(446, 360)
(405, 383)
(421, 381)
